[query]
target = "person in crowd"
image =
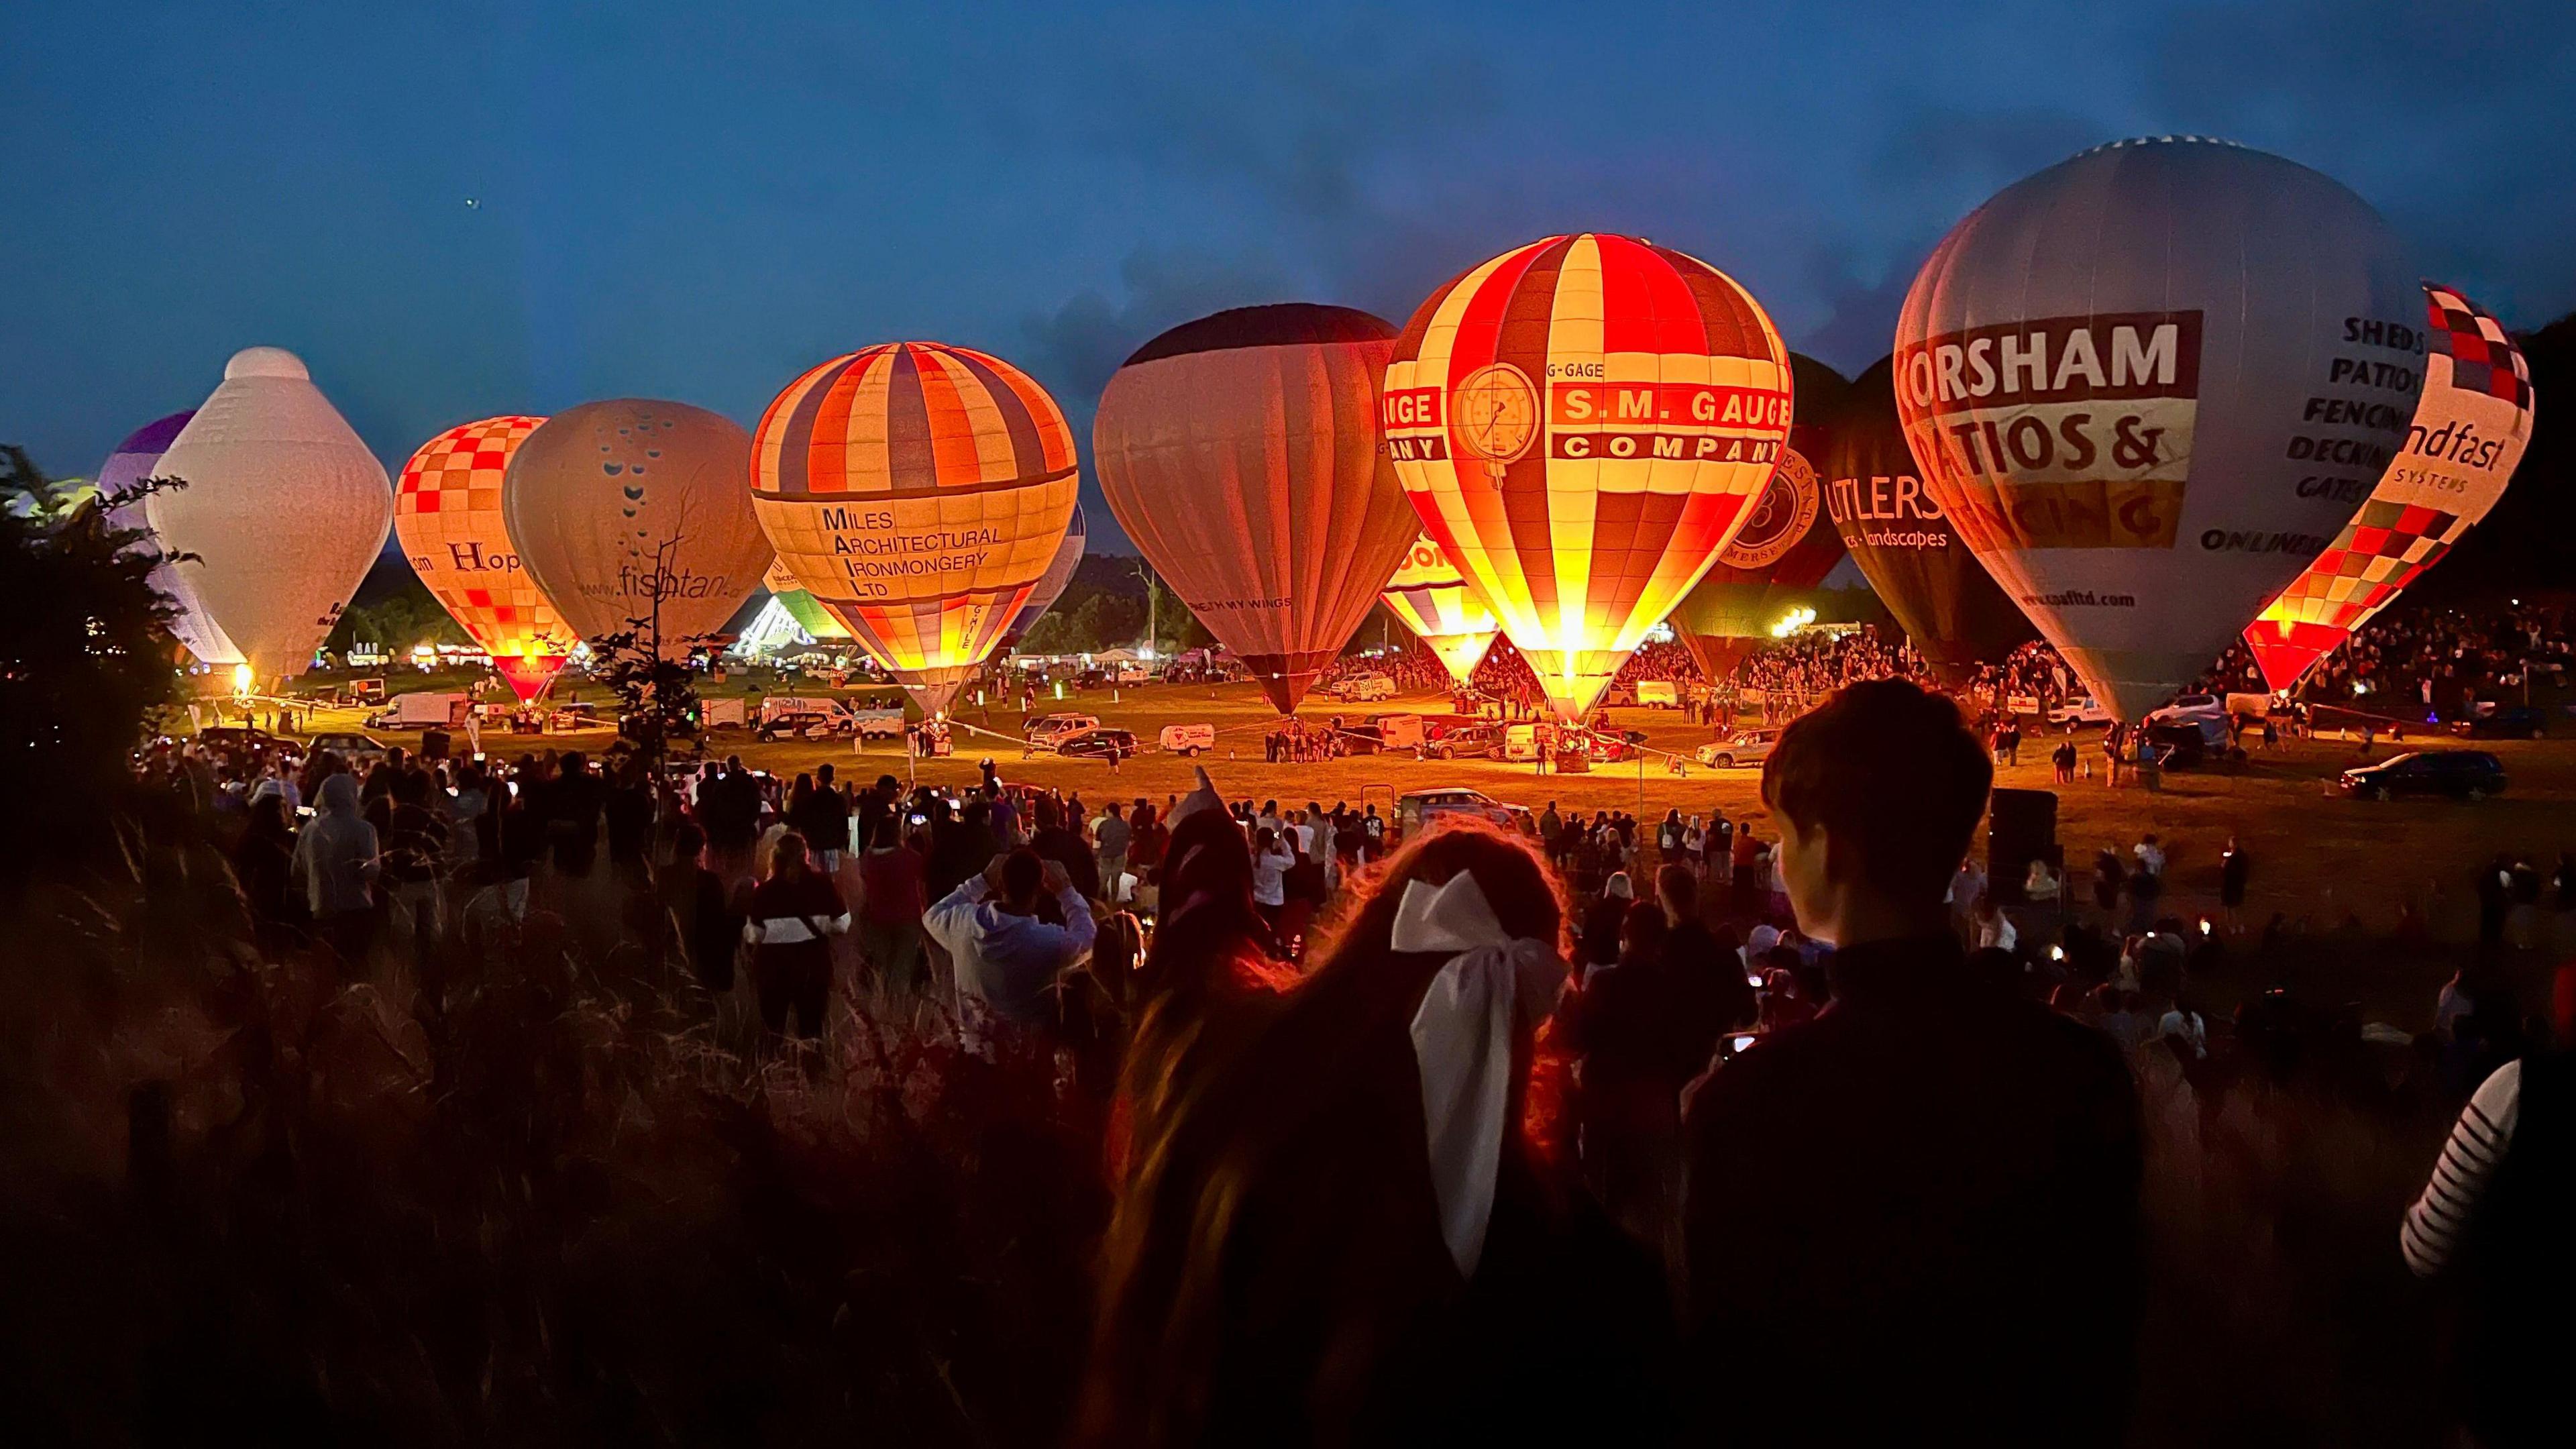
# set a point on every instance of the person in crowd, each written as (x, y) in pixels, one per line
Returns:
(2235, 868)
(1059, 840)
(1005, 956)
(1290, 1262)
(335, 865)
(1270, 862)
(415, 844)
(1111, 836)
(792, 916)
(1937, 1179)
(2110, 878)
(893, 895)
(263, 861)
(701, 919)
(1601, 923)
(2493, 1219)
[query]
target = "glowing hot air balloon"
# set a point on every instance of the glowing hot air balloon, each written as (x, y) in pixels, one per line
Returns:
(1785, 546)
(447, 513)
(285, 509)
(2467, 438)
(1431, 597)
(2149, 384)
(1951, 609)
(1581, 423)
(138, 458)
(801, 605)
(1240, 452)
(632, 509)
(919, 490)
(1050, 585)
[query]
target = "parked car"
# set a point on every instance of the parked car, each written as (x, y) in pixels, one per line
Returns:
(1608, 746)
(351, 746)
(1044, 730)
(1097, 744)
(1465, 742)
(804, 725)
(2204, 712)
(2074, 712)
(1187, 740)
(1739, 747)
(1421, 807)
(2504, 722)
(1362, 688)
(2464, 774)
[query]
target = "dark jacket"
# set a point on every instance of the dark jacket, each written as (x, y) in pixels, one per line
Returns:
(1915, 1219)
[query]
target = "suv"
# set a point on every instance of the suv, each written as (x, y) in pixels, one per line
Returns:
(1470, 742)
(2465, 774)
(1044, 731)
(2504, 722)
(1097, 744)
(355, 748)
(802, 725)
(1739, 747)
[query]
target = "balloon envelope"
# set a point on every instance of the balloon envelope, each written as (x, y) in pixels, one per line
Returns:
(447, 514)
(801, 605)
(1050, 585)
(1240, 452)
(919, 491)
(1951, 609)
(2149, 385)
(1432, 599)
(2468, 435)
(617, 507)
(285, 510)
(138, 458)
(1581, 422)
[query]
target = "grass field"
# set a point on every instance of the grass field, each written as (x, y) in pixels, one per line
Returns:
(2316, 854)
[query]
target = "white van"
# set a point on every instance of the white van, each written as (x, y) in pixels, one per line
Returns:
(423, 709)
(1187, 740)
(1363, 688)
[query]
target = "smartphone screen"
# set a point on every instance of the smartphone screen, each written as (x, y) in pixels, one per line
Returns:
(1742, 1042)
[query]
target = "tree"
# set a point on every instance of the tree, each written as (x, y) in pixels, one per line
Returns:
(657, 695)
(85, 653)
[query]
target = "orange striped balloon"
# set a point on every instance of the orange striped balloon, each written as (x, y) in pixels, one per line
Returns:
(1432, 599)
(917, 491)
(1580, 422)
(447, 513)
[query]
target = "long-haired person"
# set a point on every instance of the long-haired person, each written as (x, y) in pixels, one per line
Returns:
(790, 923)
(1344, 1230)
(1915, 1217)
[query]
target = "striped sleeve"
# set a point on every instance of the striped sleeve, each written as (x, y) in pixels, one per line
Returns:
(2478, 1143)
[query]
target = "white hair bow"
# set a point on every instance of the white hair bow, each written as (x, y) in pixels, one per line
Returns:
(1462, 1044)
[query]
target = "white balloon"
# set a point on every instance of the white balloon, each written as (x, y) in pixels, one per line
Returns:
(2149, 384)
(285, 510)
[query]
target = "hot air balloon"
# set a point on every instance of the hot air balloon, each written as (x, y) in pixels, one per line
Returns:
(919, 490)
(1951, 609)
(1050, 585)
(1584, 515)
(1240, 452)
(1785, 547)
(285, 509)
(801, 605)
(1431, 597)
(2468, 435)
(617, 507)
(138, 458)
(2149, 384)
(447, 513)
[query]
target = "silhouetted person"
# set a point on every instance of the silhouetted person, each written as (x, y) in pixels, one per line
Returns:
(1914, 1218)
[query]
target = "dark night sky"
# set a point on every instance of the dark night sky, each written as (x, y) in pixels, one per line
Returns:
(675, 203)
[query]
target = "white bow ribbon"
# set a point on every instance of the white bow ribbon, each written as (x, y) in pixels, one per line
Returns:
(1462, 1044)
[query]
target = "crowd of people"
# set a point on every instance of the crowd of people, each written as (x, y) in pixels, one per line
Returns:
(1665, 1128)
